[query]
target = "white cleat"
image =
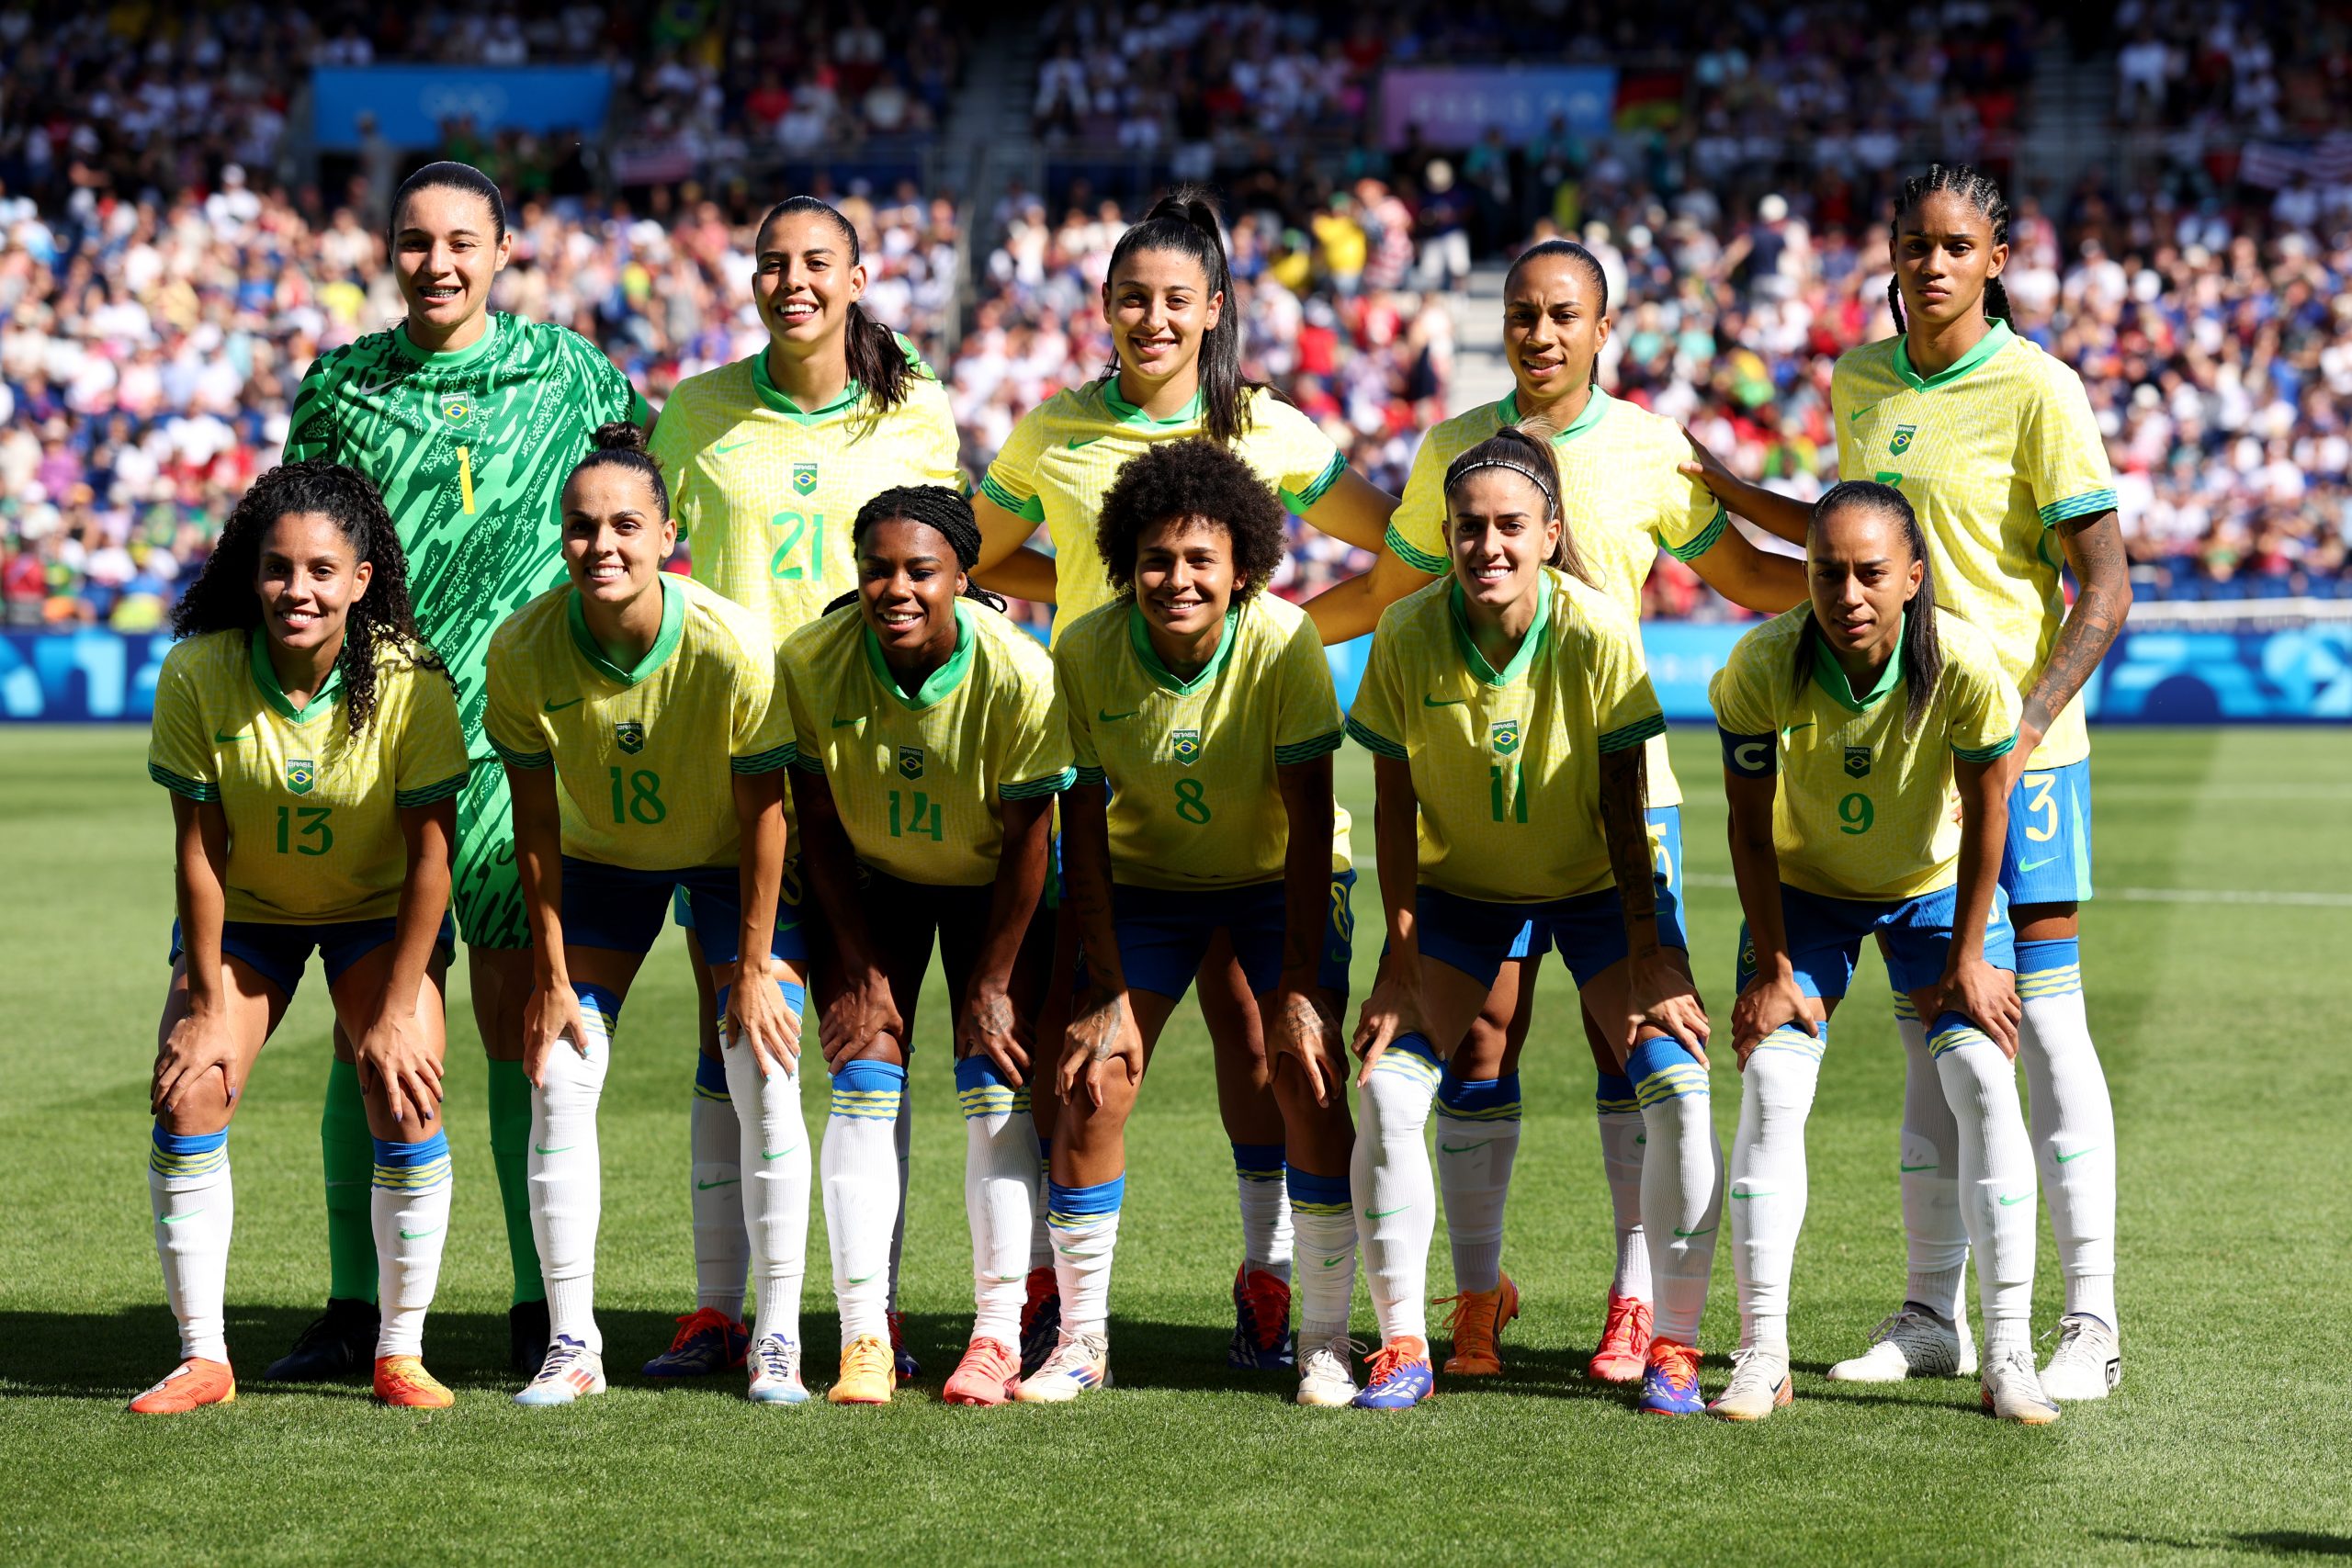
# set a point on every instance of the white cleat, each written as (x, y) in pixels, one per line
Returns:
(571, 1371)
(2011, 1390)
(2088, 1362)
(1912, 1344)
(1325, 1373)
(775, 1364)
(1081, 1362)
(1759, 1386)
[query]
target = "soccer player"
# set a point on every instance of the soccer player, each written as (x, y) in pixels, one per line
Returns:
(1506, 707)
(1993, 442)
(768, 459)
(1203, 718)
(1847, 725)
(312, 746)
(1175, 328)
(632, 710)
(929, 744)
(468, 420)
(1623, 498)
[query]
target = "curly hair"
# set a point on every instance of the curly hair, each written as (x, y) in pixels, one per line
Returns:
(1192, 478)
(1978, 190)
(222, 596)
(936, 507)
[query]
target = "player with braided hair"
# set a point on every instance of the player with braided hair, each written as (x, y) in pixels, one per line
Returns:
(1994, 443)
(312, 748)
(929, 745)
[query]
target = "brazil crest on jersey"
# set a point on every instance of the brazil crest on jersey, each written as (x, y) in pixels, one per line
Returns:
(920, 781)
(470, 450)
(313, 811)
(644, 757)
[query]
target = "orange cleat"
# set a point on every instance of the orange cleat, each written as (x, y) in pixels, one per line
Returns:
(1625, 1349)
(403, 1382)
(191, 1385)
(867, 1375)
(984, 1375)
(1478, 1322)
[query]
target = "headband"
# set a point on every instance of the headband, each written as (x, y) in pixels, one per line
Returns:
(1532, 476)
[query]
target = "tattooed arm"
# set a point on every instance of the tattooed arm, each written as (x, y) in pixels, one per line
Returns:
(2093, 548)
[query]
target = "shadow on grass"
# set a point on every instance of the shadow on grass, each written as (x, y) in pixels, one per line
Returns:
(2277, 1543)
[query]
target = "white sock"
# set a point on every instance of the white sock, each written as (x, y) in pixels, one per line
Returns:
(772, 1145)
(196, 1210)
(1266, 1237)
(1477, 1140)
(722, 1244)
(1769, 1181)
(566, 1194)
(2074, 1123)
(1935, 1236)
(1324, 1213)
(409, 1210)
(1996, 1176)
(902, 1132)
(1396, 1197)
(1085, 1225)
(1682, 1185)
(1622, 1139)
(861, 1173)
(1041, 1237)
(1000, 1195)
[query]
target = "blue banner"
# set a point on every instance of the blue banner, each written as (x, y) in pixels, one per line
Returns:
(1456, 105)
(412, 103)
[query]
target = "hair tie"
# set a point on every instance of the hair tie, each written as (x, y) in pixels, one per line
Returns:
(1533, 477)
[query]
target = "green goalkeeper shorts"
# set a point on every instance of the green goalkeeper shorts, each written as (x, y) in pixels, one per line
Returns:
(486, 888)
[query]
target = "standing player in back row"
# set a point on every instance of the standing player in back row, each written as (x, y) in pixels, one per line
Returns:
(468, 420)
(769, 460)
(1994, 443)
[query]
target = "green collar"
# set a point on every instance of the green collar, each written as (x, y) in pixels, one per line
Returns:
(1596, 407)
(455, 356)
(665, 641)
(1830, 675)
(265, 677)
(1510, 673)
(775, 397)
(1128, 413)
(937, 685)
(1139, 637)
(1994, 340)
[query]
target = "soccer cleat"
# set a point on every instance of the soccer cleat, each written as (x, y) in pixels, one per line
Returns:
(985, 1376)
(1759, 1385)
(570, 1372)
(1914, 1343)
(1670, 1380)
(776, 1372)
(708, 1341)
(2012, 1391)
(1398, 1377)
(339, 1343)
(1325, 1373)
(193, 1384)
(1261, 1341)
(1079, 1362)
(526, 1337)
(1623, 1355)
(403, 1382)
(868, 1374)
(1041, 1319)
(1478, 1322)
(2088, 1362)
(904, 1364)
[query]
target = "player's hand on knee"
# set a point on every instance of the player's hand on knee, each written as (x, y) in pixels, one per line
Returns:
(990, 1026)
(1302, 1030)
(1663, 999)
(1103, 1039)
(396, 1052)
(860, 1012)
(758, 1016)
(551, 1020)
(1987, 996)
(1770, 1002)
(199, 1044)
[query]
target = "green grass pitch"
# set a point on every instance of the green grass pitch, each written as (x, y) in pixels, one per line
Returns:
(2222, 1025)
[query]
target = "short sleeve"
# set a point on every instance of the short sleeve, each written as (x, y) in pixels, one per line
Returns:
(796, 688)
(1037, 759)
(309, 429)
(178, 756)
(1985, 709)
(1742, 694)
(507, 719)
(1416, 528)
(430, 764)
(1377, 722)
(1012, 480)
(1625, 711)
(1306, 463)
(609, 392)
(1688, 519)
(939, 460)
(763, 735)
(1308, 723)
(1072, 697)
(671, 445)
(2063, 456)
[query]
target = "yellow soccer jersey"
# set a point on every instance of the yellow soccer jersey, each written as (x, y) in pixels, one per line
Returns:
(764, 494)
(1863, 811)
(1621, 491)
(1506, 763)
(1992, 452)
(1195, 802)
(644, 758)
(920, 781)
(314, 832)
(1063, 455)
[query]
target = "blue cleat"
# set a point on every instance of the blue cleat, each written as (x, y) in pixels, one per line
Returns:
(708, 1341)
(1041, 1320)
(1398, 1376)
(1670, 1382)
(1262, 1340)
(902, 1359)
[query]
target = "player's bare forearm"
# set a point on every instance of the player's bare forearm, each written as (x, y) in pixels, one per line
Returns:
(1984, 828)
(1350, 609)
(1756, 867)
(1086, 884)
(1623, 777)
(539, 866)
(1001, 534)
(1751, 578)
(1020, 869)
(201, 831)
(1306, 868)
(1769, 510)
(1396, 824)
(429, 830)
(2093, 548)
(1023, 574)
(759, 823)
(832, 871)
(1354, 509)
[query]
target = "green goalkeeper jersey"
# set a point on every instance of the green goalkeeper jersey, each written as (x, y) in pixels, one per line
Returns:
(470, 450)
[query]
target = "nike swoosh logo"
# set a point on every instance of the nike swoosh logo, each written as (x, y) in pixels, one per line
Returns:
(1329, 1262)
(1855, 417)
(1383, 1213)
(724, 448)
(1794, 727)
(385, 385)
(1908, 1168)
(333, 1183)
(1686, 1235)
(1769, 1192)
(2035, 864)
(176, 1219)
(2079, 1153)
(543, 1149)
(860, 1279)
(778, 1155)
(844, 723)
(727, 1181)
(2018, 1199)
(1462, 1148)
(420, 1235)
(220, 739)
(1102, 717)
(1075, 443)
(1431, 702)
(559, 708)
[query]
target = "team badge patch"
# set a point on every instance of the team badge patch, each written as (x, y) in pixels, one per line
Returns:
(456, 411)
(1506, 737)
(1858, 761)
(910, 761)
(1186, 743)
(631, 734)
(300, 775)
(804, 478)
(1901, 442)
